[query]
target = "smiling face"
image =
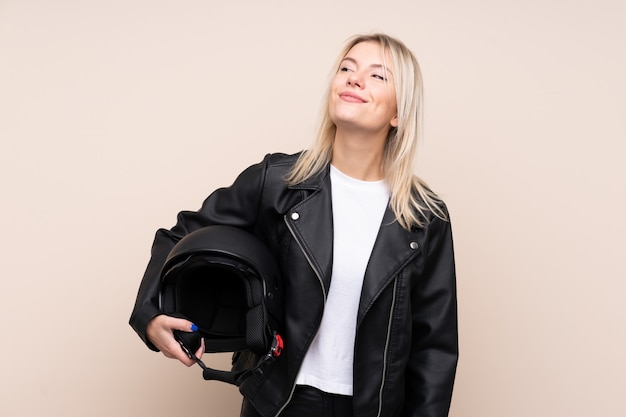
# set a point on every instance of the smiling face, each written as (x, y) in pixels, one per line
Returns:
(362, 93)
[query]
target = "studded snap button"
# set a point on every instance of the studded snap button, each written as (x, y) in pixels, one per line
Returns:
(295, 216)
(414, 245)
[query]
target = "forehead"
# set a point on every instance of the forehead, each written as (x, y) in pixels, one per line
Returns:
(365, 47)
(368, 53)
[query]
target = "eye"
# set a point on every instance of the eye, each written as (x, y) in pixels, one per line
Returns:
(379, 77)
(344, 69)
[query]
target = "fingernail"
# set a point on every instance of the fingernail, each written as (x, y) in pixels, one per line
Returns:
(194, 328)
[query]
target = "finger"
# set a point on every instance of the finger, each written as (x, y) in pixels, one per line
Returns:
(200, 350)
(175, 351)
(184, 325)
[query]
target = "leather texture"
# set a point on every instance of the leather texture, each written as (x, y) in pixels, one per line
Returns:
(406, 345)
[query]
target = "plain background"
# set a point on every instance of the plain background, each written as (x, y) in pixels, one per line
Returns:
(115, 115)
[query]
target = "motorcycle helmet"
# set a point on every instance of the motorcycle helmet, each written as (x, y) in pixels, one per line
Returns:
(227, 282)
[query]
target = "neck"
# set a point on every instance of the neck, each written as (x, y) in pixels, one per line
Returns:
(359, 156)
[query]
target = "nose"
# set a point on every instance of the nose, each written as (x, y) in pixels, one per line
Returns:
(354, 80)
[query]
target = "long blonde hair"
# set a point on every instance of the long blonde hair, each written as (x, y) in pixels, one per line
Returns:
(411, 198)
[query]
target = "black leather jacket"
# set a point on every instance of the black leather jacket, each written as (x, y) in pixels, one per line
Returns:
(406, 340)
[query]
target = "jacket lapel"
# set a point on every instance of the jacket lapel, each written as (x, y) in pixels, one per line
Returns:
(394, 248)
(311, 223)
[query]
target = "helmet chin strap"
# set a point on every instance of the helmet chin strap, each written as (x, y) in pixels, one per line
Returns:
(189, 340)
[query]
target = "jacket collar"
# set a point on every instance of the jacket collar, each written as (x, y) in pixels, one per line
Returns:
(314, 182)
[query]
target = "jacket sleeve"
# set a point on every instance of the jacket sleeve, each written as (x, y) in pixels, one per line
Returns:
(434, 352)
(236, 205)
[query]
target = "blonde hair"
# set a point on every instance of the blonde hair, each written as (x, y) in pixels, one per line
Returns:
(411, 198)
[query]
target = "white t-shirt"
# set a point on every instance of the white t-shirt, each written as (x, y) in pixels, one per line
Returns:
(358, 209)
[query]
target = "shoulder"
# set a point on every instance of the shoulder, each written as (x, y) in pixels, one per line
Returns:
(282, 159)
(278, 165)
(272, 164)
(270, 172)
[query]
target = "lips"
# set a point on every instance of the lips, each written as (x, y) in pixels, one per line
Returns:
(351, 97)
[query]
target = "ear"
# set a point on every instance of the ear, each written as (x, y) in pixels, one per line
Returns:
(394, 121)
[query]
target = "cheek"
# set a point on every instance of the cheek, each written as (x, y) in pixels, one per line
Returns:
(388, 101)
(338, 80)
(333, 90)
(331, 109)
(391, 100)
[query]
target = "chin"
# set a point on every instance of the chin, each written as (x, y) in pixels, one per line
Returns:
(340, 118)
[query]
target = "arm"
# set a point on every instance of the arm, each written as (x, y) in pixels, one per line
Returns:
(236, 205)
(434, 353)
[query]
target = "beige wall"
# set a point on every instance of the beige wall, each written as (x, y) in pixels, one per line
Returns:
(115, 115)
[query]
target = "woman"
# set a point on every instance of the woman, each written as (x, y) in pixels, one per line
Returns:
(365, 248)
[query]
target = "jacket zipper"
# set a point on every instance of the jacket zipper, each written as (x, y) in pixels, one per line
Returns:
(319, 278)
(382, 384)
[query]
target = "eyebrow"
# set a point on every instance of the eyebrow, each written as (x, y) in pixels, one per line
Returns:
(347, 58)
